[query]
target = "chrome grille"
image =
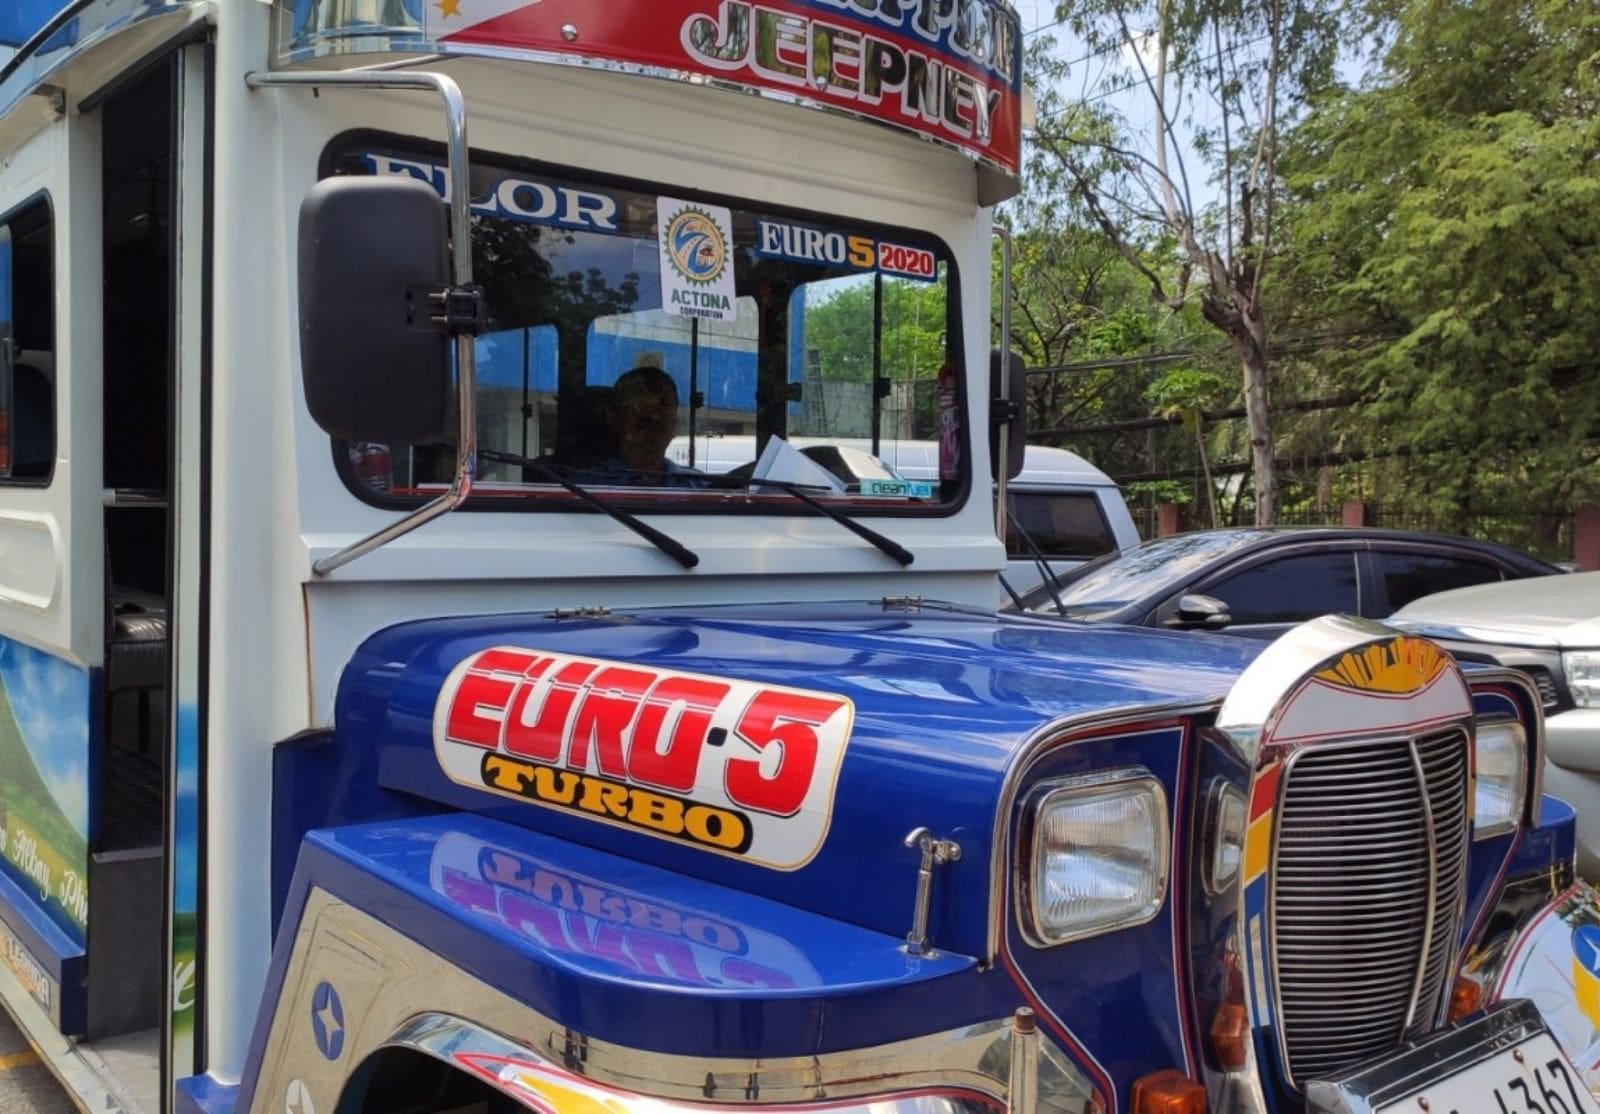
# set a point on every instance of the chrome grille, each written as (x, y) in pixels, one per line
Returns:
(1546, 684)
(1367, 893)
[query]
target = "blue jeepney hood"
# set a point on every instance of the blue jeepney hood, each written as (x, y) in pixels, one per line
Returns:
(934, 703)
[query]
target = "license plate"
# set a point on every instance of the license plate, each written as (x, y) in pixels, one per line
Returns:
(22, 965)
(1531, 1078)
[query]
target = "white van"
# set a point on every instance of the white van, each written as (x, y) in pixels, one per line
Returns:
(1067, 508)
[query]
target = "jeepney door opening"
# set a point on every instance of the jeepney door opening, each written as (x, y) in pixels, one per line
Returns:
(126, 890)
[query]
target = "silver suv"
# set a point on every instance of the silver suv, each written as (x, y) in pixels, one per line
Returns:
(1549, 627)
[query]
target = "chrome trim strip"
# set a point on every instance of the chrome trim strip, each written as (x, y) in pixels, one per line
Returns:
(94, 23)
(1022, 1091)
(458, 1043)
(1431, 906)
(386, 980)
(1002, 430)
(1518, 679)
(82, 1074)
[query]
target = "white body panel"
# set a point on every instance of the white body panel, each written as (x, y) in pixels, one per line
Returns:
(48, 595)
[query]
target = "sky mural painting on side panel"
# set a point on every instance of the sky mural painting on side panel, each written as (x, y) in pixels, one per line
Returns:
(44, 751)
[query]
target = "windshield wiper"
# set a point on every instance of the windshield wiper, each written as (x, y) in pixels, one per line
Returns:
(668, 545)
(887, 545)
(1048, 579)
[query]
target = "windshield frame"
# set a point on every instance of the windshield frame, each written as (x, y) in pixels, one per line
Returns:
(536, 496)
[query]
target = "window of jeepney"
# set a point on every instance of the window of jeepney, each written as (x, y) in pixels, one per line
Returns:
(829, 335)
(27, 362)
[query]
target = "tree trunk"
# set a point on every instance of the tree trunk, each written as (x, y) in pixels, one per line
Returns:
(1205, 467)
(1248, 334)
(1258, 419)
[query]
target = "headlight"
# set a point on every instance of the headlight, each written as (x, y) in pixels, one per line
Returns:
(1582, 668)
(1224, 835)
(1501, 759)
(1098, 857)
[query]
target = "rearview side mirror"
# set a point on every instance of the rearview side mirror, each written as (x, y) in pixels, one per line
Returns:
(374, 364)
(1195, 610)
(1007, 368)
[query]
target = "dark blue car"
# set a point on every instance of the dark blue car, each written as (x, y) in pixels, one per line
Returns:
(1259, 581)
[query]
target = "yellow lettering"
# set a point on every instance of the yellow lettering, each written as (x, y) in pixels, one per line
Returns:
(717, 827)
(640, 808)
(861, 252)
(559, 787)
(652, 810)
(604, 798)
(501, 773)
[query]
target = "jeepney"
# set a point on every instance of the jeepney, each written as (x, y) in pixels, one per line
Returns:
(372, 740)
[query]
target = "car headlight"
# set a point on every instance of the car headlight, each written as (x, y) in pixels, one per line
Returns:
(1098, 857)
(1226, 811)
(1501, 759)
(1582, 668)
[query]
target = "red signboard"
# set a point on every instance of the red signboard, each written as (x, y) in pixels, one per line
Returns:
(945, 69)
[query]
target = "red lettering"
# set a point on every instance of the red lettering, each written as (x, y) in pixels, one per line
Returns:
(478, 710)
(602, 718)
(670, 759)
(906, 260)
(788, 721)
(514, 662)
(539, 732)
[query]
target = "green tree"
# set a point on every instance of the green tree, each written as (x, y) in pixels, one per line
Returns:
(913, 329)
(1185, 393)
(1218, 79)
(1452, 206)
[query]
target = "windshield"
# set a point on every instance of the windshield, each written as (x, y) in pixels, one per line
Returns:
(639, 339)
(1120, 578)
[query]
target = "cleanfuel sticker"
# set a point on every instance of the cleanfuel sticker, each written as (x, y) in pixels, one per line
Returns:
(729, 766)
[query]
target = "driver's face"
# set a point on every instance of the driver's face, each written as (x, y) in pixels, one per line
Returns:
(647, 417)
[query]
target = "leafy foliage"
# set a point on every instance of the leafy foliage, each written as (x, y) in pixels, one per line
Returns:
(1217, 80)
(839, 329)
(1453, 207)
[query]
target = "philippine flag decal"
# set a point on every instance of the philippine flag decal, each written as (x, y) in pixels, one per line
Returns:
(447, 17)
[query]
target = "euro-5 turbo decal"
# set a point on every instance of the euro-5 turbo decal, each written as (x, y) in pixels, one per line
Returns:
(725, 765)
